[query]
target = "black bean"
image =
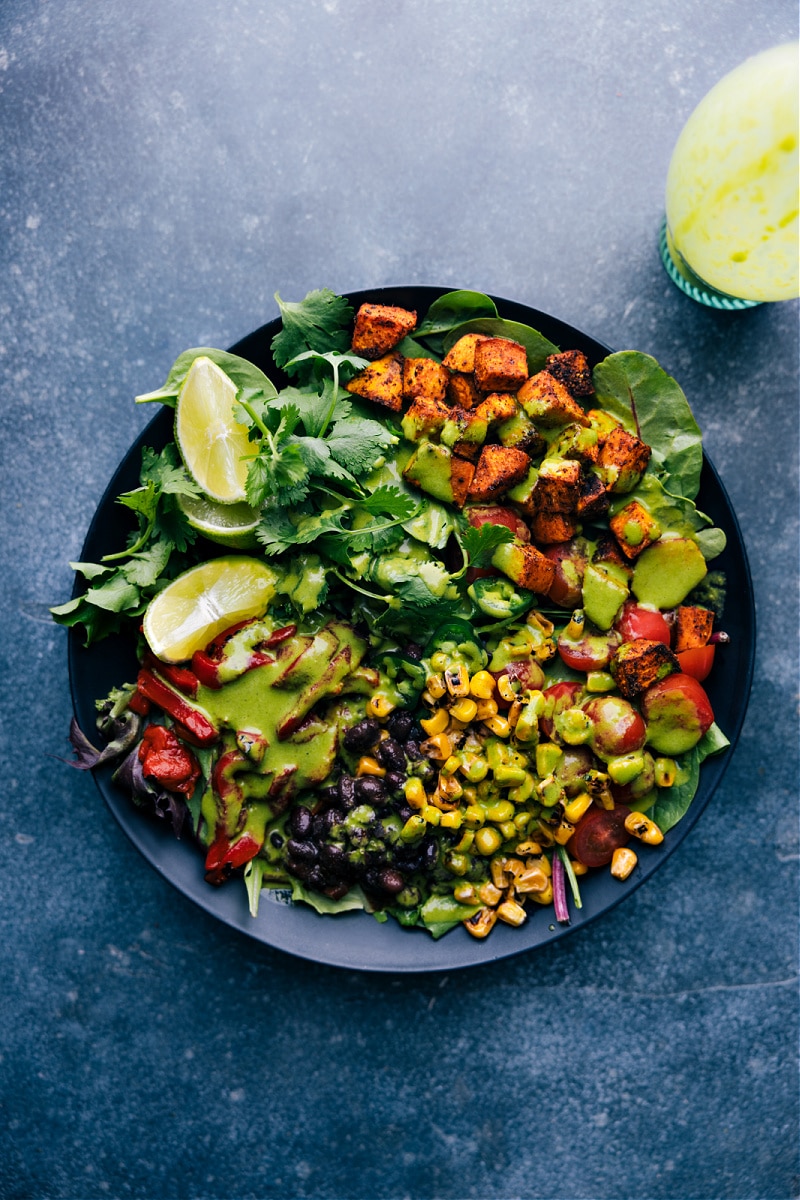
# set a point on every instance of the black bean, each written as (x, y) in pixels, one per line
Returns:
(390, 755)
(370, 790)
(404, 811)
(300, 821)
(400, 724)
(336, 890)
(333, 857)
(347, 793)
(301, 851)
(391, 880)
(395, 783)
(412, 750)
(327, 797)
(362, 735)
(316, 879)
(276, 839)
(414, 651)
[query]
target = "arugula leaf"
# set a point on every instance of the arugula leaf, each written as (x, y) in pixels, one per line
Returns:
(652, 405)
(319, 322)
(243, 373)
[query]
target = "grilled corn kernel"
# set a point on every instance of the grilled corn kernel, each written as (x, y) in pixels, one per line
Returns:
(474, 815)
(457, 864)
(439, 747)
(578, 868)
(379, 707)
(506, 688)
(451, 820)
(430, 814)
(550, 791)
(487, 840)
(622, 863)
(474, 768)
(508, 830)
(574, 726)
(564, 832)
(503, 810)
(545, 836)
(465, 841)
(457, 681)
(489, 894)
(599, 681)
(512, 913)
(529, 847)
(644, 829)
(548, 757)
(542, 862)
(370, 766)
(532, 879)
(481, 685)
(575, 809)
(436, 686)
(449, 788)
(666, 770)
(626, 767)
(499, 726)
(524, 790)
(497, 869)
(486, 709)
(464, 710)
(482, 924)
(464, 892)
(415, 793)
(413, 828)
(439, 661)
(545, 897)
(513, 714)
(437, 723)
(574, 629)
(508, 776)
(450, 765)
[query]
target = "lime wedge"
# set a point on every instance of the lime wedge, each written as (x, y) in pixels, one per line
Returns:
(231, 525)
(205, 601)
(211, 442)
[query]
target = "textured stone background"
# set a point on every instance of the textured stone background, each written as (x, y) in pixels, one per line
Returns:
(166, 167)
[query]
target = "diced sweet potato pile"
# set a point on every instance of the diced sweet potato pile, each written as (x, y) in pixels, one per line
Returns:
(484, 429)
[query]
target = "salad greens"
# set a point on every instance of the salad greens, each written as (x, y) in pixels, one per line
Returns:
(425, 608)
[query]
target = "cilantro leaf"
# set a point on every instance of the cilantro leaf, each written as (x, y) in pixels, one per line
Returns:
(319, 322)
(480, 544)
(144, 567)
(356, 443)
(392, 502)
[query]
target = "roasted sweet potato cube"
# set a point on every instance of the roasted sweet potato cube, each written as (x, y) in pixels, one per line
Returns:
(464, 428)
(593, 498)
(607, 551)
(623, 460)
(425, 418)
(379, 327)
(424, 377)
(548, 527)
(693, 626)
(525, 565)
(548, 403)
(558, 486)
(500, 365)
(440, 473)
(571, 367)
(580, 442)
(381, 382)
(498, 469)
(635, 529)
(497, 406)
(519, 430)
(462, 390)
(461, 356)
(640, 663)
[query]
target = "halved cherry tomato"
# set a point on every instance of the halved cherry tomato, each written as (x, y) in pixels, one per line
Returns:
(498, 514)
(598, 834)
(637, 622)
(697, 662)
(591, 652)
(557, 697)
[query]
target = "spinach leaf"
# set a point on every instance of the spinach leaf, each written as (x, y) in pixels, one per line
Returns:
(454, 309)
(673, 802)
(674, 514)
(652, 405)
(538, 347)
(242, 372)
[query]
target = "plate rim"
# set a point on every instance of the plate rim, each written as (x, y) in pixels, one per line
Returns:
(229, 905)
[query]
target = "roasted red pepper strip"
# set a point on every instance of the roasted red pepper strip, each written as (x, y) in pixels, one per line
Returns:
(180, 677)
(207, 664)
(231, 847)
(159, 693)
(167, 761)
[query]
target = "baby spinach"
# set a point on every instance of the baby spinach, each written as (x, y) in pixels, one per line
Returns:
(537, 346)
(650, 404)
(673, 803)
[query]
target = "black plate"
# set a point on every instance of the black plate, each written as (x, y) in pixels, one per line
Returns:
(356, 940)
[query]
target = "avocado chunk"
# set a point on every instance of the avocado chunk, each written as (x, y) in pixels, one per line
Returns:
(666, 572)
(441, 474)
(605, 590)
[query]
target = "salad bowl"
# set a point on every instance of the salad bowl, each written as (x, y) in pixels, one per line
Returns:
(356, 940)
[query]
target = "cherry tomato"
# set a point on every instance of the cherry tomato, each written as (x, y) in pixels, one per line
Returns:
(591, 652)
(498, 514)
(697, 662)
(617, 728)
(678, 712)
(558, 697)
(637, 622)
(598, 834)
(570, 559)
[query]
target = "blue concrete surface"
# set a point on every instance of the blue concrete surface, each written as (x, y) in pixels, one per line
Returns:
(165, 168)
